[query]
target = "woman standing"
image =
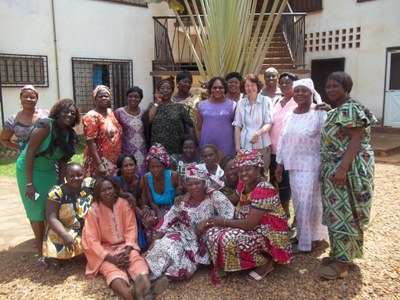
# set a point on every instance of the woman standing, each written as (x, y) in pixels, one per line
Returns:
(253, 120)
(271, 88)
(298, 152)
(234, 82)
(51, 143)
(103, 136)
(21, 124)
(347, 175)
(215, 117)
(130, 118)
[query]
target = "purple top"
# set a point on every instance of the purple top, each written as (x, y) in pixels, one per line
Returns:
(217, 126)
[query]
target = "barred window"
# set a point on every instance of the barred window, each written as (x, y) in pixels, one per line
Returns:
(90, 72)
(129, 2)
(18, 70)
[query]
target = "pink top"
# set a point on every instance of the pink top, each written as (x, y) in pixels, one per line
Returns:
(278, 114)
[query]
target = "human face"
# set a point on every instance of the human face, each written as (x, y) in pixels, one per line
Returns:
(108, 195)
(128, 167)
(231, 172)
(156, 168)
(103, 99)
(250, 88)
(302, 96)
(67, 116)
(286, 85)
(166, 91)
(233, 85)
(196, 187)
(133, 100)
(335, 91)
(217, 90)
(28, 99)
(74, 177)
(249, 174)
(185, 85)
(210, 157)
(189, 149)
(271, 79)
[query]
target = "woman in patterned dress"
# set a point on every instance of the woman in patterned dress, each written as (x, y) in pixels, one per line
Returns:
(103, 136)
(130, 118)
(257, 237)
(347, 175)
(178, 247)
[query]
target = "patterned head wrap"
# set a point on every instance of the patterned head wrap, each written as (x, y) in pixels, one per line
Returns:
(193, 172)
(169, 80)
(29, 87)
(271, 70)
(308, 83)
(158, 151)
(99, 88)
(247, 157)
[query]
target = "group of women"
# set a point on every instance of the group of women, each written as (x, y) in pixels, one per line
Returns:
(149, 202)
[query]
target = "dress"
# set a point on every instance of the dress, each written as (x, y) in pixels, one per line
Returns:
(72, 213)
(179, 253)
(22, 131)
(44, 176)
(299, 151)
(347, 208)
(109, 231)
(217, 126)
(133, 140)
(170, 124)
(106, 133)
(235, 249)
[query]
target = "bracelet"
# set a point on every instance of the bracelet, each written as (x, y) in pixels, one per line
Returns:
(156, 104)
(225, 221)
(28, 184)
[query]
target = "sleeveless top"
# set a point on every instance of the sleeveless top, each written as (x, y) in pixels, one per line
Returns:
(167, 198)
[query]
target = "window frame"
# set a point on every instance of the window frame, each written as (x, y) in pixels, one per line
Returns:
(137, 3)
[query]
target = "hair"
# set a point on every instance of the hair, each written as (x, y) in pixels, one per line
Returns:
(29, 88)
(189, 137)
(215, 148)
(169, 80)
(135, 89)
(65, 104)
(213, 80)
(183, 75)
(225, 160)
(344, 80)
(120, 161)
(291, 76)
(71, 165)
(233, 75)
(254, 79)
(98, 184)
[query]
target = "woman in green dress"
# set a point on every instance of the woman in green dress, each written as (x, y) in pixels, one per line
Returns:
(52, 142)
(347, 175)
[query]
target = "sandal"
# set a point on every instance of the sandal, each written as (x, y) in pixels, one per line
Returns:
(137, 291)
(333, 271)
(157, 288)
(254, 276)
(42, 263)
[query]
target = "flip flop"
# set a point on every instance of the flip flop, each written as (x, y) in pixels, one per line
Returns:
(254, 276)
(332, 271)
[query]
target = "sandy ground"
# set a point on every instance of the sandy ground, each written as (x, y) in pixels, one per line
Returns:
(377, 276)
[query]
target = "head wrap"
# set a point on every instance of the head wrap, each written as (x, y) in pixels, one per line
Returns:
(291, 76)
(271, 70)
(247, 157)
(212, 183)
(193, 172)
(99, 88)
(158, 151)
(29, 87)
(169, 80)
(308, 83)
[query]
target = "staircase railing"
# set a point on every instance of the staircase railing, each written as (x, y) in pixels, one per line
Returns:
(293, 28)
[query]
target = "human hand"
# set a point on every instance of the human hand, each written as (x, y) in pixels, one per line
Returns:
(202, 227)
(237, 148)
(101, 170)
(157, 97)
(178, 200)
(216, 221)
(323, 106)
(30, 192)
(278, 172)
(122, 260)
(340, 177)
(131, 200)
(69, 242)
(254, 138)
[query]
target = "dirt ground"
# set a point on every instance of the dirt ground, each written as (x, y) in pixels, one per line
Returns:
(377, 276)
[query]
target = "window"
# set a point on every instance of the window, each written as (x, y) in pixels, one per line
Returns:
(18, 70)
(305, 5)
(89, 72)
(129, 2)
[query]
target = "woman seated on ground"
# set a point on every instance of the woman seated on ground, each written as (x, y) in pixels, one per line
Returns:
(178, 248)
(258, 235)
(212, 156)
(160, 186)
(110, 244)
(66, 208)
(231, 178)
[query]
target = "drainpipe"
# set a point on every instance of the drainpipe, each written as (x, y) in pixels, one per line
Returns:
(55, 49)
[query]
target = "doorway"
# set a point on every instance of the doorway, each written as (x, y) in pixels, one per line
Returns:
(392, 88)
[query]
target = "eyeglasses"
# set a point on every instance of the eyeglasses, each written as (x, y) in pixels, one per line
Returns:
(270, 76)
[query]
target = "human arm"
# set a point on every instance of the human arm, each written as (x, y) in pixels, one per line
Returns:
(176, 182)
(5, 139)
(154, 108)
(150, 201)
(278, 172)
(252, 220)
(62, 164)
(264, 129)
(237, 132)
(92, 147)
(199, 124)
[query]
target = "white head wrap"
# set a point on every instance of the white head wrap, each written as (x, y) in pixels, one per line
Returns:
(272, 70)
(308, 83)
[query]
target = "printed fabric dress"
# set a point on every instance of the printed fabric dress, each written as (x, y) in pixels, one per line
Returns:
(133, 140)
(106, 133)
(346, 209)
(73, 209)
(179, 253)
(235, 249)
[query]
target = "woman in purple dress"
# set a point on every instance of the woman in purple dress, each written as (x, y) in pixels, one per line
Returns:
(130, 118)
(215, 117)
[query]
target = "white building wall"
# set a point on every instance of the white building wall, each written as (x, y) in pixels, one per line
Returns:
(366, 65)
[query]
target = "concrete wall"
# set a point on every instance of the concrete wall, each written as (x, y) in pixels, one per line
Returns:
(366, 64)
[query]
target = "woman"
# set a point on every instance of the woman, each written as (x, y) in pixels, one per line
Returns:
(51, 143)
(271, 88)
(253, 120)
(257, 237)
(66, 208)
(212, 156)
(347, 175)
(298, 152)
(189, 155)
(234, 82)
(178, 248)
(130, 118)
(215, 116)
(169, 120)
(280, 109)
(230, 178)
(110, 242)
(21, 124)
(103, 136)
